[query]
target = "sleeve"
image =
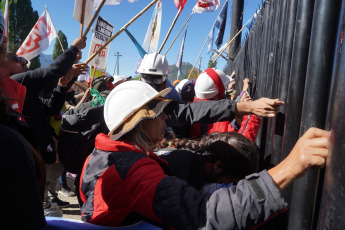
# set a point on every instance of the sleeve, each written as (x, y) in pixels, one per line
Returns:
(36, 80)
(253, 201)
(54, 104)
(250, 127)
(200, 111)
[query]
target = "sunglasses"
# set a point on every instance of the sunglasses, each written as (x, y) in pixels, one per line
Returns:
(19, 59)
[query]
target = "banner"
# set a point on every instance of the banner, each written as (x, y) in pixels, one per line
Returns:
(88, 13)
(103, 32)
(206, 5)
(39, 38)
(220, 24)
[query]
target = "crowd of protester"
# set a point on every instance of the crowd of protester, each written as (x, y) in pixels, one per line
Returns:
(181, 164)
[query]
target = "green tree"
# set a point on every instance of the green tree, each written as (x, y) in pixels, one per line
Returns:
(210, 62)
(22, 19)
(57, 47)
(194, 74)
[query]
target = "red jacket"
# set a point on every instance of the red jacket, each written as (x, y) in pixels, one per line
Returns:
(249, 127)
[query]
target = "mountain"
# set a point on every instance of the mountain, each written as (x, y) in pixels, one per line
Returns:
(45, 59)
(186, 67)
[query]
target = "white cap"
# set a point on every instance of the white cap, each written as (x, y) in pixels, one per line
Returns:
(118, 78)
(205, 87)
(180, 85)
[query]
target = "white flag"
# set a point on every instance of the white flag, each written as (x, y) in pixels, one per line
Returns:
(109, 2)
(39, 37)
(206, 5)
(88, 13)
(6, 18)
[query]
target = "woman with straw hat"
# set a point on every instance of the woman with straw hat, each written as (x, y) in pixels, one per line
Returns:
(124, 182)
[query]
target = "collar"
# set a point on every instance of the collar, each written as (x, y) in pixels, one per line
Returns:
(103, 142)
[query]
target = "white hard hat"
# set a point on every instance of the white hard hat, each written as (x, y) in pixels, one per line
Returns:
(205, 87)
(117, 78)
(154, 64)
(129, 103)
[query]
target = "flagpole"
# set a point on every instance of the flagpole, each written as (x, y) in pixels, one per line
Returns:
(93, 18)
(172, 25)
(178, 33)
(57, 35)
(82, 19)
(121, 30)
(216, 51)
(206, 40)
(228, 44)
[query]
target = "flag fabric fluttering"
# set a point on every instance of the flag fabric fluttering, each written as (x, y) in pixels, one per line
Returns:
(220, 24)
(180, 4)
(153, 31)
(206, 5)
(180, 55)
(109, 2)
(39, 38)
(6, 18)
(140, 49)
(210, 44)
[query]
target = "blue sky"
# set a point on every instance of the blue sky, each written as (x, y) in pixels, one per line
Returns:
(61, 12)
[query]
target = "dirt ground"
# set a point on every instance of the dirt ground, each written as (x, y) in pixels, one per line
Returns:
(73, 211)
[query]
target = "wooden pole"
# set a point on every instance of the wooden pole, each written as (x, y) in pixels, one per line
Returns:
(82, 19)
(216, 51)
(120, 31)
(229, 43)
(172, 25)
(206, 41)
(93, 18)
(178, 33)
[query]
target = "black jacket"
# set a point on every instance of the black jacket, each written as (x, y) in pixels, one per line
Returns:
(37, 110)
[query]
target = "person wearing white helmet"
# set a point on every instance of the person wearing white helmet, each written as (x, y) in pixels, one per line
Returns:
(212, 84)
(154, 70)
(123, 182)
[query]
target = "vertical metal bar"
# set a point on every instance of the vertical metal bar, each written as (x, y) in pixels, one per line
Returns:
(236, 25)
(319, 72)
(276, 71)
(284, 79)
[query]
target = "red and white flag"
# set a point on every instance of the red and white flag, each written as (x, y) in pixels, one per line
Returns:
(180, 4)
(109, 2)
(206, 5)
(6, 18)
(39, 38)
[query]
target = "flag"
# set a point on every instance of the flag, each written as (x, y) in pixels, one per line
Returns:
(210, 44)
(6, 18)
(39, 37)
(180, 4)
(153, 31)
(206, 5)
(88, 11)
(142, 52)
(220, 24)
(109, 2)
(180, 55)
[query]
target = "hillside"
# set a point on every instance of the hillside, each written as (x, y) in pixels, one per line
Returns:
(185, 68)
(45, 59)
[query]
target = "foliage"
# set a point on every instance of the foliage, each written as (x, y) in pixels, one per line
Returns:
(194, 74)
(57, 47)
(210, 62)
(22, 19)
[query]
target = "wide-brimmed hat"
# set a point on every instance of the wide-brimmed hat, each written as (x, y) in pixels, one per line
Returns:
(131, 102)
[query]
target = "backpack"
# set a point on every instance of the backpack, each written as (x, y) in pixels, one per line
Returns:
(76, 140)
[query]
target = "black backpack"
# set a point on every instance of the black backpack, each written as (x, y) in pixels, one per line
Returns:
(76, 140)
